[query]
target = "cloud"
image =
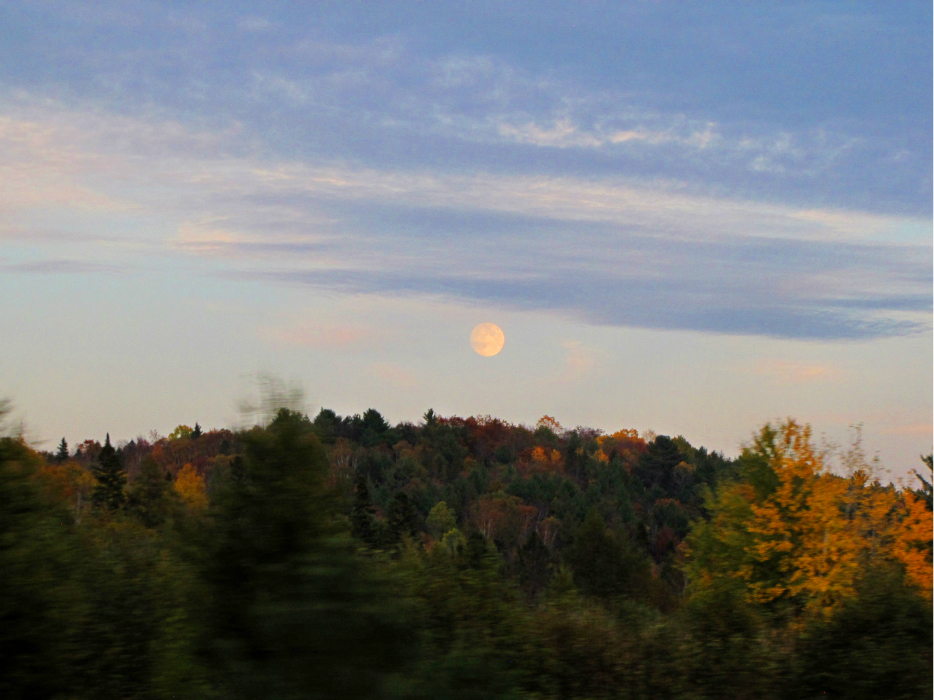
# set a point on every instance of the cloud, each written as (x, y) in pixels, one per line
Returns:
(787, 372)
(321, 336)
(55, 267)
(395, 89)
(566, 134)
(255, 24)
(562, 135)
(578, 362)
(605, 250)
(391, 374)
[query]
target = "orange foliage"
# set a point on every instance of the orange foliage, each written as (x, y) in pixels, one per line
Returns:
(912, 542)
(626, 434)
(625, 443)
(811, 536)
(551, 423)
(68, 482)
(190, 486)
(542, 460)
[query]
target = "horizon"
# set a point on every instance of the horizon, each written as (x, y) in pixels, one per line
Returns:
(690, 220)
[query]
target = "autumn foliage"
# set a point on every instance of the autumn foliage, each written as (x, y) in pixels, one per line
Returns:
(797, 536)
(459, 557)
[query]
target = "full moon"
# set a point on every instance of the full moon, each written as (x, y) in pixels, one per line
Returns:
(487, 339)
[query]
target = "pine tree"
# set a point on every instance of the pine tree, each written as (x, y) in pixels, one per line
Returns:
(62, 453)
(196, 432)
(108, 493)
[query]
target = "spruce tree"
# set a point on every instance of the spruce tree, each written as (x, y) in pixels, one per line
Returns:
(62, 453)
(108, 493)
(196, 432)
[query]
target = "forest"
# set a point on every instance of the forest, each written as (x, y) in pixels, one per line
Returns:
(345, 557)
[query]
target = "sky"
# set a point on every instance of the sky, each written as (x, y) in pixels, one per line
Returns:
(686, 218)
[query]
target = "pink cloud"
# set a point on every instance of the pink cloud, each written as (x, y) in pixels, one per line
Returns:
(321, 336)
(394, 375)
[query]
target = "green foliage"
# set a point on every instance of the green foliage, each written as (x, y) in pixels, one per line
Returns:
(150, 498)
(534, 566)
(39, 607)
(878, 645)
(363, 518)
(726, 651)
(292, 612)
(401, 520)
(927, 485)
(62, 454)
(656, 468)
(92, 612)
(181, 432)
(440, 520)
(132, 641)
(499, 562)
(325, 425)
(605, 563)
(108, 493)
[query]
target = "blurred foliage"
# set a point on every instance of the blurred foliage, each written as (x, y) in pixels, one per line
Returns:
(459, 558)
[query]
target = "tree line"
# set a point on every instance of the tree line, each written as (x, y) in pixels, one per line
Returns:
(342, 556)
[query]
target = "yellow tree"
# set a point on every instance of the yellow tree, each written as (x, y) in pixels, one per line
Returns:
(793, 533)
(911, 542)
(190, 487)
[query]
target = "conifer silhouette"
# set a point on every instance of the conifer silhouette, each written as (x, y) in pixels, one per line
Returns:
(62, 453)
(108, 493)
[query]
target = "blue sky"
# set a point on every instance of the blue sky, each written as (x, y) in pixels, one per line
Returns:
(686, 218)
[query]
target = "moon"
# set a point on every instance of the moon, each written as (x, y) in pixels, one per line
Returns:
(487, 339)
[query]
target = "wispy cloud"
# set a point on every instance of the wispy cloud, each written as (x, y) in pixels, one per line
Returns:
(608, 251)
(57, 267)
(564, 133)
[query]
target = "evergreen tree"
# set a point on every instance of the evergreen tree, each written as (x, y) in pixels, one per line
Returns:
(363, 516)
(534, 566)
(292, 613)
(326, 424)
(575, 460)
(108, 493)
(39, 596)
(401, 518)
(148, 497)
(876, 645)
(196, 432)
(605, 563)
(62, 453)
(926, 491)
(656, 468)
